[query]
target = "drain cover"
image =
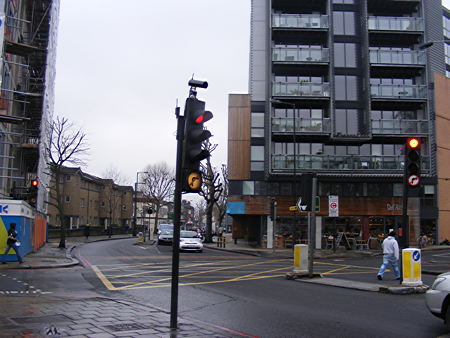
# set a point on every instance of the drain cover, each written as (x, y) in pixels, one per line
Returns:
(127, 327)
(41, 319)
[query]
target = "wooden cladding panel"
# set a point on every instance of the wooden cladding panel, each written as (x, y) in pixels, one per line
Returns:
(442, 102)
(239, 123)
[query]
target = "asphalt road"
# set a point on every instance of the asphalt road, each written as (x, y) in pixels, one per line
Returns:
(250, 294)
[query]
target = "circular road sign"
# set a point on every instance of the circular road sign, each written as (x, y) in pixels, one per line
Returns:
(333, 205)
(413, 180)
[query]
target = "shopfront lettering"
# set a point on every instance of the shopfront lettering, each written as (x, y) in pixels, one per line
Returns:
(393, 207)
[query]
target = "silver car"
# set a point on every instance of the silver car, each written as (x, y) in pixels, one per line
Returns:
(165, 237)
(438, 298)
(189, 240)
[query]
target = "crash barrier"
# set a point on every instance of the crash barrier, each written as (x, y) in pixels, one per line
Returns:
(300, 258)
(221, 242)
(412, 267)
(28, 234)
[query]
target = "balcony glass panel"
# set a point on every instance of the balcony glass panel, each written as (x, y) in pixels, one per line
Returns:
(310, 21)
(399, 126)
(398, 91)
(397, 57)
(388, 23)
(302, 125)
(300, 54)
(301, 89)
(346, 162)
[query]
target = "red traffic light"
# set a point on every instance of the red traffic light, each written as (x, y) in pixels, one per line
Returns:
(206, 116)
(34, 183)
(413, 143)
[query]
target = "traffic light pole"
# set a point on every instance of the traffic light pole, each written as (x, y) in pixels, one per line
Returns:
(176, 222)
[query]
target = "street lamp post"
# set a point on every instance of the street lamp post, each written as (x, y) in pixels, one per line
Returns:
(135, 201)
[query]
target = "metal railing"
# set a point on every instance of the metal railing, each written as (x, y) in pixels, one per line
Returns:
(410, 57)
(335, 162)
(309, 21)
(391, 23)
(301, 89)
(302, 125)
(398, 91)
(298, 54)
(399, 126)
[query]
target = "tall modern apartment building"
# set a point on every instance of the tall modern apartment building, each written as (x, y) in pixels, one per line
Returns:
(28, 34)
(336, 87)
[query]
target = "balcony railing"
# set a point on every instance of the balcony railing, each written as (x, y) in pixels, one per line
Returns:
(308, 21)
(412, 57)
(398, 91)
(389, 23)
(334, 162)
(302, 125)
(295, 54)
(407, 127)
(301, 89)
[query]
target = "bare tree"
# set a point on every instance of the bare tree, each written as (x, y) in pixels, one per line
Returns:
(159, 186)
(221, 203)
(66, 145)
(200, 211)
(211, 189)
(114, 174)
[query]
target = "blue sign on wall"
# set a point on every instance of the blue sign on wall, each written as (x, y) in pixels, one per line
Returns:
(236, 208)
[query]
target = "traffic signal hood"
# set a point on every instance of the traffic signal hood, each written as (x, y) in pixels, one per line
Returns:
(194, 133)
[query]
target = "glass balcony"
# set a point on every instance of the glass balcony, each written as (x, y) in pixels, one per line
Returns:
(302, 125)
(390, 23)
(412, 57)
(348, 162)
(295, 54)
(309, 21)
(301, 89)
(398, 91)
(407, 127)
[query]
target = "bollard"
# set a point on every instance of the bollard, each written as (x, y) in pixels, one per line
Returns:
(140, 237)
(300, 258)
(411, 267)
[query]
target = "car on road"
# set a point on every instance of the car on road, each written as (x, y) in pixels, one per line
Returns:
(162, 227)
(438, 298)
(190, 241)
(165, 237)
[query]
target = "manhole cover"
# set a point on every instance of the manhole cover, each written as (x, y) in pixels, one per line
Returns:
(41, 319)
(127, 327)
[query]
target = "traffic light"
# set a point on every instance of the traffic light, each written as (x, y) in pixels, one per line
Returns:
(32, 192)
(194, 135)
(305, 199)
(412, 164)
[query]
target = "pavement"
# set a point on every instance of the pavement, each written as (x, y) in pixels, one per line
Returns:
(89, 315)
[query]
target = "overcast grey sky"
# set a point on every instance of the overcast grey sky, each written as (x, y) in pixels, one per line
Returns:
(121, 65)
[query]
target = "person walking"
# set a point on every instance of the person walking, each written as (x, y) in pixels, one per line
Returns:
(390, 256)
(12, 242)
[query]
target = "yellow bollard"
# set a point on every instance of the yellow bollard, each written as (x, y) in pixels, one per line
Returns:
(300, 258)
(412, 267)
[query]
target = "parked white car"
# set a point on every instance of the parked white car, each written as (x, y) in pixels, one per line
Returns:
(438, 298)
(189, 240)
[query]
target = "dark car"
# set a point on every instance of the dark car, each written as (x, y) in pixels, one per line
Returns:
(165, 237)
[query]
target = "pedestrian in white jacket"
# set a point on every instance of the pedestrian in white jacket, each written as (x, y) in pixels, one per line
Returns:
(390, 256)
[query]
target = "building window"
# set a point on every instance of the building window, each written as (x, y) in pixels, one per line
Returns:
(428, 189)
(102, 204)
(248, 188)
(257, 158)
(82, 202)
(345, 55)
(257, 124)
(397, 189)
(346, 88)
(347, 121)
(67, 199)
(344, 23)
(67, 177)
(124, 207)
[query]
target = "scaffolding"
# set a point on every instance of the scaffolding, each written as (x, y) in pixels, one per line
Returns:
(24, 52)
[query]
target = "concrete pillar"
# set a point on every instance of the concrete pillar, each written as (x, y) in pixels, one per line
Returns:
(318, 232)
(269, 233)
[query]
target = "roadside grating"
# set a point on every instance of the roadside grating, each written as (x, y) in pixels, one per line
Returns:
(41, 319)
(127, 327)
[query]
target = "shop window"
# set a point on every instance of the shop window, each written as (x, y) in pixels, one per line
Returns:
(248, 188)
